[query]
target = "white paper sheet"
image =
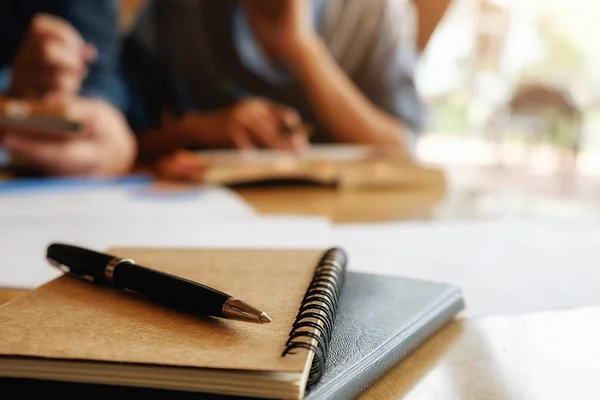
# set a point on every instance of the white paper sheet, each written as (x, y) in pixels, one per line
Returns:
(136, 199)
(505, 266)
(134, 213)
(24, 245)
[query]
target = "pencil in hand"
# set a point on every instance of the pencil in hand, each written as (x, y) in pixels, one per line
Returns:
(305, 127)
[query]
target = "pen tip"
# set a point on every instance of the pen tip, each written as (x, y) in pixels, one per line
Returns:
(264, 318)
(238, 310)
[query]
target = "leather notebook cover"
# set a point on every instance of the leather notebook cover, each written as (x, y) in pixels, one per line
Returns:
(380, 320)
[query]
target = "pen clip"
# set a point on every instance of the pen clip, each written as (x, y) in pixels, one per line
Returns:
(68, 271)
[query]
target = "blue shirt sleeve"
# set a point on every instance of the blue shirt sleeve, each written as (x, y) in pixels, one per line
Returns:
(98, 23)
(250, 52)
(387, 74)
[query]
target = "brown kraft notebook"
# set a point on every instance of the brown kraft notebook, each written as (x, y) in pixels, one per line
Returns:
(74, 331)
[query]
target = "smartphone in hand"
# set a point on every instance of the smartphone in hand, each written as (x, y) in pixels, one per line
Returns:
(35, 117)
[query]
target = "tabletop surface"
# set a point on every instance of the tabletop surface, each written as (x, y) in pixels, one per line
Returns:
(546, 355)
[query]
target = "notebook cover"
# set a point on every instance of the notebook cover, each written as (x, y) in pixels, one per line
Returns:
(75, 320)
(380, 321)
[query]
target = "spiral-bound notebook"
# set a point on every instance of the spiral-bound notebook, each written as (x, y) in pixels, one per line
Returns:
(72, 331)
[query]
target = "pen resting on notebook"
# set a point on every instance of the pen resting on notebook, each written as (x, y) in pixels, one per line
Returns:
(169, 290)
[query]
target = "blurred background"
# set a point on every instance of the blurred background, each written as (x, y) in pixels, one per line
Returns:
(509, 84)
(514, 84)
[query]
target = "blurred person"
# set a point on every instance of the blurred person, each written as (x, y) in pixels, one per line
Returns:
(62, 52)
(231, 73)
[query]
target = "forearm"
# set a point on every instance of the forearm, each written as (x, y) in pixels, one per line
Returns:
(430, 13)
(194, 129)
(341, 107)
(158, 142)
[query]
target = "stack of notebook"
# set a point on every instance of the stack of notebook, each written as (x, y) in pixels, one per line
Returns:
(73, 337)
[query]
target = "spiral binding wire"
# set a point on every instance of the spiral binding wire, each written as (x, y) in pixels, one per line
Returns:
(318, 310)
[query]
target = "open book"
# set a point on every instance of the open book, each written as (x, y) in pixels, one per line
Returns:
(347, 166)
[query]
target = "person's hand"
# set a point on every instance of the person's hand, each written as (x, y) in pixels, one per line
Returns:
(52, 60)
(282, 26)
(258, 123)
(104, 147)
(254, 123)
(181, 166)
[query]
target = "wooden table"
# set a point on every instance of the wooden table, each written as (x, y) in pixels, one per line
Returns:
(347, 205)
(553, 355)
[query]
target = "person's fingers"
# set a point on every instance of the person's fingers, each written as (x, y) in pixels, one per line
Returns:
(56, 96)
(51, 47)
(260, 122)
(44, 134)
(96, 117)
(50, 156)
(58, 56)
(49, 53)
(46, 26)
(53, 42)
(35, 81)
(265, 129)
(265, 125)
(240, 138)
(83, 109)
(291, 126)
(51, 86)
(55, 68)
(65, 84)
(90, 53)
(43, 82)
(300, 140)
(52, 97)
(183, 165)
(34, 152)
(290, 119)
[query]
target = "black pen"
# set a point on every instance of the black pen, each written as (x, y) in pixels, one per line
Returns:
(124, 273)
